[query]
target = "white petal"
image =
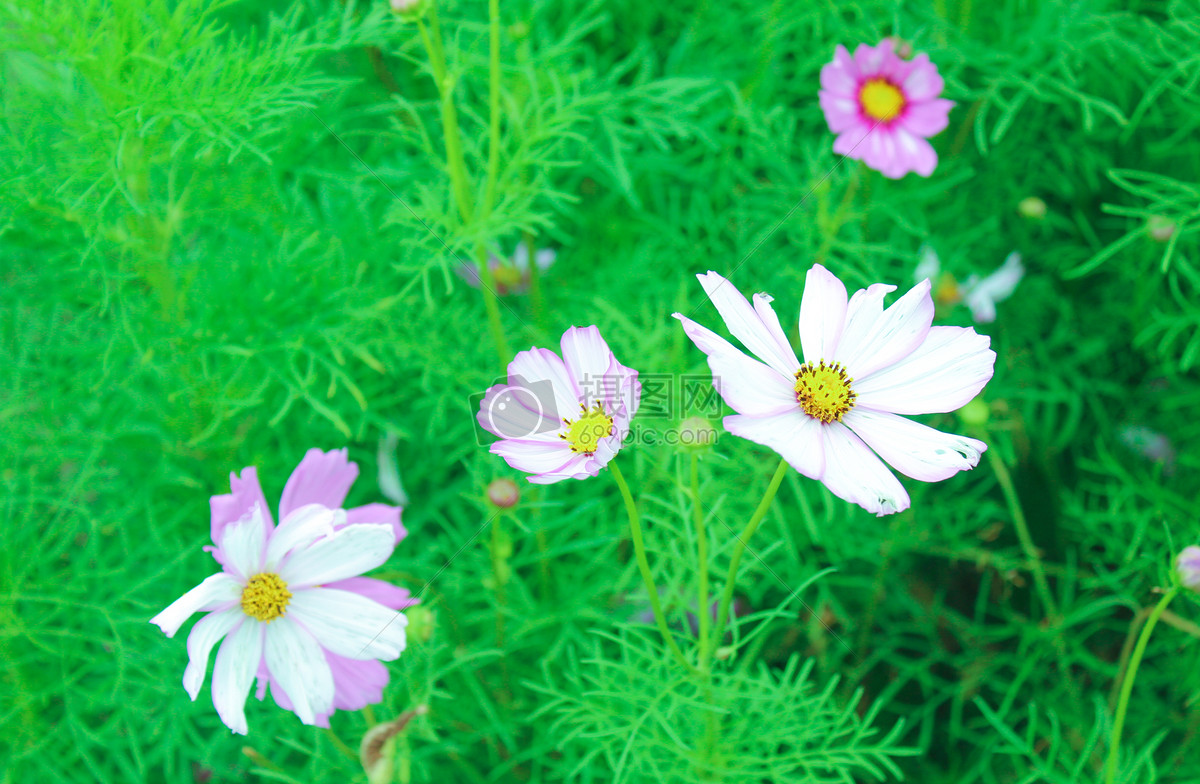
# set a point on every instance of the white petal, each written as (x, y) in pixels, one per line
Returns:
(350, 624)
(795, 436)
(895, 334)
(298, 664)
(747, 385)
(207, 632)
(589, 362)
(539, 375)
(347, 553)
(943, 374)
(237, 663)
(982, 296)
(862, 314)
(822, 314)
(577, 467)
(533, 457)
(746, 325)
(914, 449)
(300, 529)
(854, 473)
(216, 590)
(770, 320)
(243, 543)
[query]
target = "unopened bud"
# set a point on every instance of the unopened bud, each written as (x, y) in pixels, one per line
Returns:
(1032, 207)
(1161, 228)
(503, 493)
(901, 47)
(696, 432)
(408, 8)
(1187, 566)
(377, 750)
(975, 414)
(421, 623)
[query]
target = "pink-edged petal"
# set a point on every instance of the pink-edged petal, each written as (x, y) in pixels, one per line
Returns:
(540, 375)
(747, 326)
(795, 436)
(943, 374)
(923, 82)
(588, 361)
(207, 632)
(356, 684)
(321, 478)
(914, 449)
(346, 553)
(822, 314)
(237, 662)
(913, 153)
(230, 508)
(852, 142)
(770, 320)
(853, 473)
(297, 663)
(842, 112)
(378, 513)
(840, 76)
(870, 60)
(521, 410)
(927, 118)
(747, 385)
(575, 467)
(892, 335)
(243, 545)
(533, 457)
(349, 624)
(390, 596)
(300, 529)
(216, 591)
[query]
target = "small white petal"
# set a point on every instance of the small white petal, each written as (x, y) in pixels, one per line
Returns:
(894, 335)
(854, 473)
(822, 314)
(795, 436)
(589, 364)
(237, 663)
(350, 624)
(300, 529)
(298, 664)
(207, 632)
(943, 374)
(914, 449)
(243, 543)
(746, 325)
(348, 552)
(982, 295)
(216, 590)
(747, 385)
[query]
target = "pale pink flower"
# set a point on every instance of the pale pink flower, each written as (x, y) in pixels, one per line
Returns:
(883, 108)
(510, 276)
(562, 418)
(290, 604)
(980, 294)
(865, 365)
(1187, 565)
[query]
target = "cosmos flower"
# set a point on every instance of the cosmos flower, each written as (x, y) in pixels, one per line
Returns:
(979, 294)
(1187, 565)
(835, 415)
(289, 602)
(562, 418)
(510, 276)
(883, 108)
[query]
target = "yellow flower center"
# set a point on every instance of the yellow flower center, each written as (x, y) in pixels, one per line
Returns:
(881, 100)
(823, 391)
(584, 433)
(265, 597)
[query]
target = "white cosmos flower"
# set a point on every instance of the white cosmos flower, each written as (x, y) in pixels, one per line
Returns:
(979, 294)
(278, 616)
(835, 415)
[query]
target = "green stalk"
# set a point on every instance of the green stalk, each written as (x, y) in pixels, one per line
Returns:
(493, 166)
(740, 548)
(639, 549)
(701, 566)
(1114, 746)
(1031, 551)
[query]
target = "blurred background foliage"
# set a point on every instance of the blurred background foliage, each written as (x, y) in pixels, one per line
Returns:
(226, 236)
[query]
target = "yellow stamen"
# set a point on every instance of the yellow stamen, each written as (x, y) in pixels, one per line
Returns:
(265, 597)
(823, 391)
(881, 100)
(584, 433)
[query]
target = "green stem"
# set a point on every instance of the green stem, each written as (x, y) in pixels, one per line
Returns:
(639, 549)
(493, 164)
(740, 548)
(830, 231)
(1114, 746)
(1031, 551)
(702, 611)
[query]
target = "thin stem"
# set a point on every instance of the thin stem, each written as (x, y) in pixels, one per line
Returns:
(740, 547)
(1018, 515)
(493, 164)
(639, 549)
(839, 216)
(702, 611)
(1114, 745)
(499, 579)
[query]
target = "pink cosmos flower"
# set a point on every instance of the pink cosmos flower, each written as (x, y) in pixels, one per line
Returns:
(290, 604)
(834, 416)
(883, 108)
(562, 418)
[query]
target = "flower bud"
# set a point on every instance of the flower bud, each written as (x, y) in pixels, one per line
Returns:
(1032, 207)
(503, 493)
(1187, 566)
(696, 432)
(903, 48)
(975, 413)
(1160, 227)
